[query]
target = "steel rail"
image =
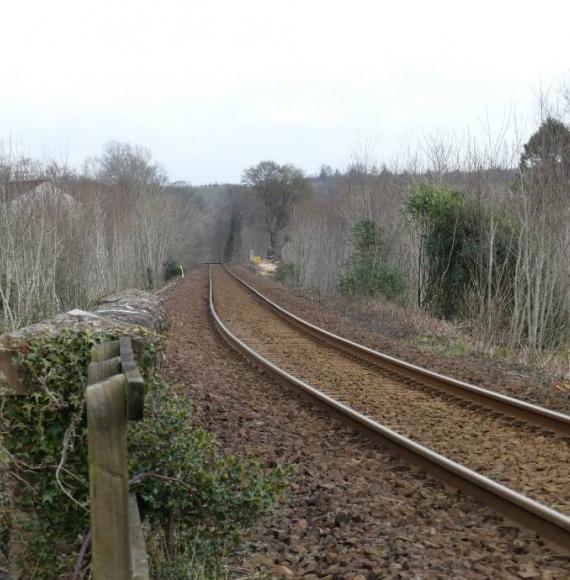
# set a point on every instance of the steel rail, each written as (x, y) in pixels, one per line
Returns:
(552, 525)
(528, 412)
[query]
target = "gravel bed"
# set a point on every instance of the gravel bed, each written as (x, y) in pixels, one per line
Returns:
(386, 336)
(527, 459)
(353, 511)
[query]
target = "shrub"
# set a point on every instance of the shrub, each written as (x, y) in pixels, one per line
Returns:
(288, 273)
(44, 434)
(42, 431)
(368, 273)
(453, 254)
(171, 269)
(219, 494)
(4, 509)
(369, 278)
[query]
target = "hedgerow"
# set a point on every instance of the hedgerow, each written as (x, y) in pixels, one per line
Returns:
(209, 496)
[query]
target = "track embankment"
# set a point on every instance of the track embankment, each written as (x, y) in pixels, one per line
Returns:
(385, 328)
(353, 510)
(527, 459)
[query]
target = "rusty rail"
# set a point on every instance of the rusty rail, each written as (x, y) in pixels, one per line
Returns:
(549, 523)
(534, 414)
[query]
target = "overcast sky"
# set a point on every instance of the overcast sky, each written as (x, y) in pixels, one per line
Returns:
(212, 87)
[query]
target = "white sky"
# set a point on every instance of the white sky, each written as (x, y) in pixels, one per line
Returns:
(212, 87)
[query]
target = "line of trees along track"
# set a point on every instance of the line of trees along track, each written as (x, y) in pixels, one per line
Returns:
(472, 231)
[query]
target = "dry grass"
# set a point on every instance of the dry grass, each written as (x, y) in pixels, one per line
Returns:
(447, 338)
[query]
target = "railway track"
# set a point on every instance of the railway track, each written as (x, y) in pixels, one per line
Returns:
(512, 455)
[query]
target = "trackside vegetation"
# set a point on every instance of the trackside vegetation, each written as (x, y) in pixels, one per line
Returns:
(193, 518)
(368, 271)
(469, 261)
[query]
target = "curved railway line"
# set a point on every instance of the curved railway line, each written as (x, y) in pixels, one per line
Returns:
(512, 455)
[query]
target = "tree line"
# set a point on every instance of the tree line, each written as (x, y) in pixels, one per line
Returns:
(469, 234)
(67, 236)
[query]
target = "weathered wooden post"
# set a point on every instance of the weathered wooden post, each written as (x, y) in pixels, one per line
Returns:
(108, 478)
(115, 394)
(135, 382)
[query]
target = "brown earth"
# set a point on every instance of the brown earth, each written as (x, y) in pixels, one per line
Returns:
(383, 328)
(352, 511)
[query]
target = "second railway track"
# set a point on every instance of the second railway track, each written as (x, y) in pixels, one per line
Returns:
(530, 460)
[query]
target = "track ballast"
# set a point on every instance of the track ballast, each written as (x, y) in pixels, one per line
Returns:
(518, 468)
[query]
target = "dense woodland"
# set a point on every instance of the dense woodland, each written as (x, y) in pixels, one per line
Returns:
(67, 237)
(469, 232)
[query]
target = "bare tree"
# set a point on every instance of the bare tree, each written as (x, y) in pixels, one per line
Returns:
(65, 239)
(279, 188)
(129, 166)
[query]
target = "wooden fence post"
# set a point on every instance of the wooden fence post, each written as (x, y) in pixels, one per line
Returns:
(135, 382)
(114, 395)
(108, 478)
